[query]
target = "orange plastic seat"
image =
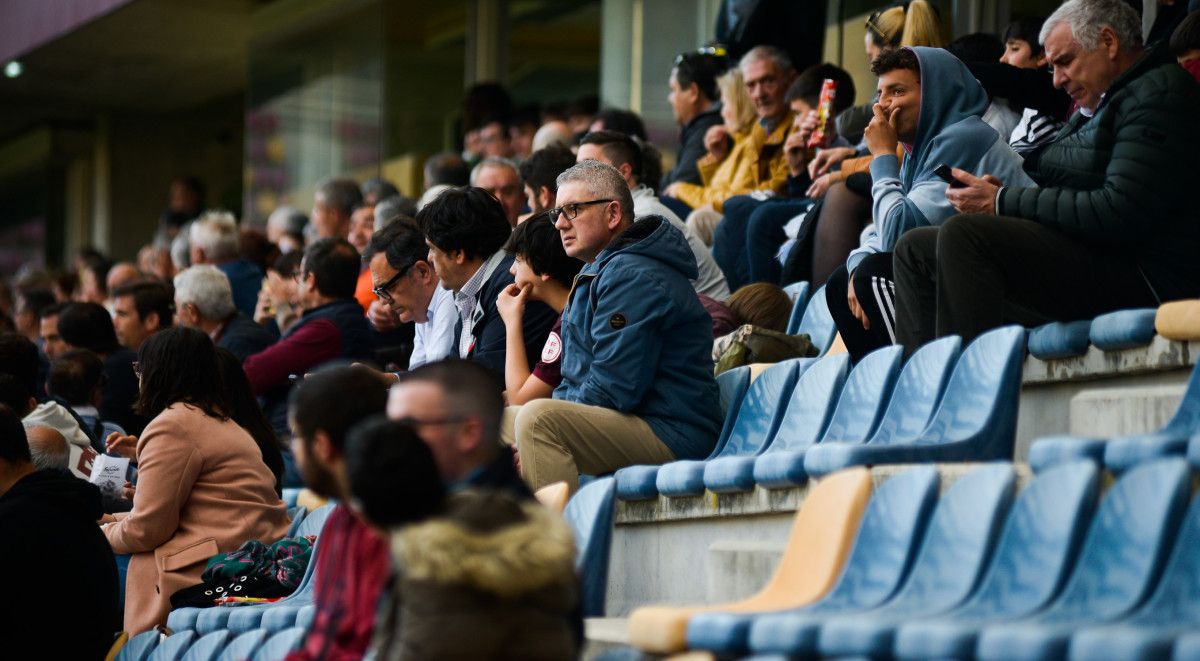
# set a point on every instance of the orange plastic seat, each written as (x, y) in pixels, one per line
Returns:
(554, 496)
(822, 534)
(1179, 320)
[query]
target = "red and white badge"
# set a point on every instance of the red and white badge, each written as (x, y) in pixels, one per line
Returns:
(552, 349)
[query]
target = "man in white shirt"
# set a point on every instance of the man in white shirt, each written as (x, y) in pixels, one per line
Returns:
(620, 151)
(408, 288)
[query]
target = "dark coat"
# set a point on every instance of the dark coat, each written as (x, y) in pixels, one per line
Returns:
(691, 147)
(490, 338)
(243, 338)
(1122, 180)
(59, 562)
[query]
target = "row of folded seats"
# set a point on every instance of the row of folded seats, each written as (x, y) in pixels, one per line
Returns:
(975, 570)
(1123, 329)
(256, 645)
(811, 416)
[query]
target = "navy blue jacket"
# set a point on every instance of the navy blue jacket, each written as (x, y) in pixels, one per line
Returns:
(242, 337)
(489, 332)
(637, 340)
(245, 278)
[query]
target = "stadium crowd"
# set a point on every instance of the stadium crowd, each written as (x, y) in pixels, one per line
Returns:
(553, 305)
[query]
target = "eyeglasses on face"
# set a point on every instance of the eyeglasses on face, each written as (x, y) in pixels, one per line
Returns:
(571, 209)
(384, 292)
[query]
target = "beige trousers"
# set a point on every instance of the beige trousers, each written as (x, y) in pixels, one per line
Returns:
(703, 222)
(558, 440)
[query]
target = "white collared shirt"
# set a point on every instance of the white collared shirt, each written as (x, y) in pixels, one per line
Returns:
(467, 301)
(433, 339)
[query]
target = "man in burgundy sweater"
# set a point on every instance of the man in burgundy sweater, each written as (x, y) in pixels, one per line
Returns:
(332, 327)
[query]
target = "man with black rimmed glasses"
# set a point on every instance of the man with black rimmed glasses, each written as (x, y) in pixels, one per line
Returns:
(637, 383)
(406, 283)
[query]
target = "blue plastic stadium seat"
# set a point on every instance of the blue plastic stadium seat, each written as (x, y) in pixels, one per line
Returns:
(1115, 571)
(862, 401)
(1060, 339)
(638, 482)
(1193, 452)
(1122, 453)
(757, 421)
(590, 515)
(280, 644)
(889, 533)
(976, 420)
(139, 647)
(305, 617)
(798, 292)
(208, 646)
(952, 555)
(296, 514)
(290, 496)
(1172, 610)
(173, 647)
(1187, 648)
(817, 322)
(1029, 565)
(243, 647)
(807, 413)
(1123, 329)
(282, 616)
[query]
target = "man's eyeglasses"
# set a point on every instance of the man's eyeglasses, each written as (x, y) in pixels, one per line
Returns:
(384, 292)
(571, 209)
(715, 51)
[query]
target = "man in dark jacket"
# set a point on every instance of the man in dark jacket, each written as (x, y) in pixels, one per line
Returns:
(332, 327)
(637, 384)
(466, 229)
(204, 300)
(696, 104)
(1114, 223)
(57, 552)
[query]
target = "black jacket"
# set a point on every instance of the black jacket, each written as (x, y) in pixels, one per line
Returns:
(61, 576)
(244, 338)
(1122, 180)
(691, 147)
(121, 391)
(489, 347)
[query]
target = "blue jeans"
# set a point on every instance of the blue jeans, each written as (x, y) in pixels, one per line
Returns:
(749, 235)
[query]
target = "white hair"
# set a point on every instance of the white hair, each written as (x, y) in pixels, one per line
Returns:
(771, 54)
(287, 219)
(494, 161)
(206, 287)
(50, 451)
(216, 233)
(1087, 17)
(552, 133)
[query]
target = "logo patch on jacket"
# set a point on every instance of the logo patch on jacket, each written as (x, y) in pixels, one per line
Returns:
(552, 349)
(617, 321)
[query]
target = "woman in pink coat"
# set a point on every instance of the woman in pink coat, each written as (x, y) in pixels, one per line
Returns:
(202, 485)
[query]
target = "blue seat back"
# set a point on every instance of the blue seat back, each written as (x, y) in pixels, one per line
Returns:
(139, 647)
(918, 391)
(315, 520)
(798, 292)
(1186, 421)
(207, 647)
(956, 547)
(1177, 598)
(982, 396)
(243, 647)
(763, 407)
(172, 647)
(731, 391)
(590, 515)
(290, 496)
(817, 322)
(1127, 543)
(1040, 541)
(296, 514)
(864, 396)
(278, 646)
(888, 537)
(811, 403)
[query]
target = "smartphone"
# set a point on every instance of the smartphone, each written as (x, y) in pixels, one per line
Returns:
(943, 171)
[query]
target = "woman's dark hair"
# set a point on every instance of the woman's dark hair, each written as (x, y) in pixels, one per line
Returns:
(180, 365)
(701, 69)
(538, 244)
(392, 474)
(245, 411)
(467, 219)
(1027, 30)
(1186, 36)
(88, 326)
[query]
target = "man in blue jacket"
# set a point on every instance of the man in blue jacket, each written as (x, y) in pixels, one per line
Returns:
(637, 384)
